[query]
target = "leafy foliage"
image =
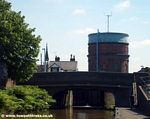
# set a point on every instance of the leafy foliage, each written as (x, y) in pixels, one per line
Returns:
(19, 47)
(25, 99)
(9, 102)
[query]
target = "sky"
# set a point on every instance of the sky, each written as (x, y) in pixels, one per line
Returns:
(65, 24)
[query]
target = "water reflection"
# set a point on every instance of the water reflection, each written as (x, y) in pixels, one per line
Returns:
(82, 114)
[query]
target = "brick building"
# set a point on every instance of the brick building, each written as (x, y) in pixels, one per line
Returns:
(108, 51)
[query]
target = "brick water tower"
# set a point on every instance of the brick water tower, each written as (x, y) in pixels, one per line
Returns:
(108, 51)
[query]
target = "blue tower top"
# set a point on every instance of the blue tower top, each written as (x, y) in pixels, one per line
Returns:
(108, 37)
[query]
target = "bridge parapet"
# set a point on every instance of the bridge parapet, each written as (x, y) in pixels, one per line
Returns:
(82, 79)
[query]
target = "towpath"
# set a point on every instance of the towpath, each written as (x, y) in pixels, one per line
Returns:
(127, 113)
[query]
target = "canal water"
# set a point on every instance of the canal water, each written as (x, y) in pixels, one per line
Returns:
(82, 114)
(65, 114)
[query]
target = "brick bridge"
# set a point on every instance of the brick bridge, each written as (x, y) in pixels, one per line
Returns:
(98, 89)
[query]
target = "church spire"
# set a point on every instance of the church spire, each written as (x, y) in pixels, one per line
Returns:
(46, 53)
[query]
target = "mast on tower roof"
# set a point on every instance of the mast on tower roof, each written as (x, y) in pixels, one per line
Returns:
(108, 18)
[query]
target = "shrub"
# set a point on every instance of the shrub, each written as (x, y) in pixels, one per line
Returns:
(25, 99)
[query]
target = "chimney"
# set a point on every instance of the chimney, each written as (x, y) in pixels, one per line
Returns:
(72, 58)
(57, 59)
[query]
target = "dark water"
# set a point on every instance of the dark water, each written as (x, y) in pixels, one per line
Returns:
(82, 114)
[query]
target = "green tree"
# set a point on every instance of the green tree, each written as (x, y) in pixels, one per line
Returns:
(19, 47)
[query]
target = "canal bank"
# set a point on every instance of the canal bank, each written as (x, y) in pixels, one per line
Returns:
(127, 113)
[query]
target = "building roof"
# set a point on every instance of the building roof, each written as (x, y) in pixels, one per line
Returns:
(64, 65)
(108, 37)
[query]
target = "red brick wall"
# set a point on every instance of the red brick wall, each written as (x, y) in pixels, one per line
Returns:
(112, 57)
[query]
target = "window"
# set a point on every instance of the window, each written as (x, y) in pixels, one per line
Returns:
(54, 69)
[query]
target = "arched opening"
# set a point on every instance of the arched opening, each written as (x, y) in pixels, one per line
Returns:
(88, 98)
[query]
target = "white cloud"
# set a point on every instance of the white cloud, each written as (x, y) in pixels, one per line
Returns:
(140, 44)
(79, 12)
(134, 64)
(145, 42)
(122, 6)
(138, 54)
(145, 22)
(81, 56)
(130, 19)
(135, 19)
(83, 31)
(51, 1)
